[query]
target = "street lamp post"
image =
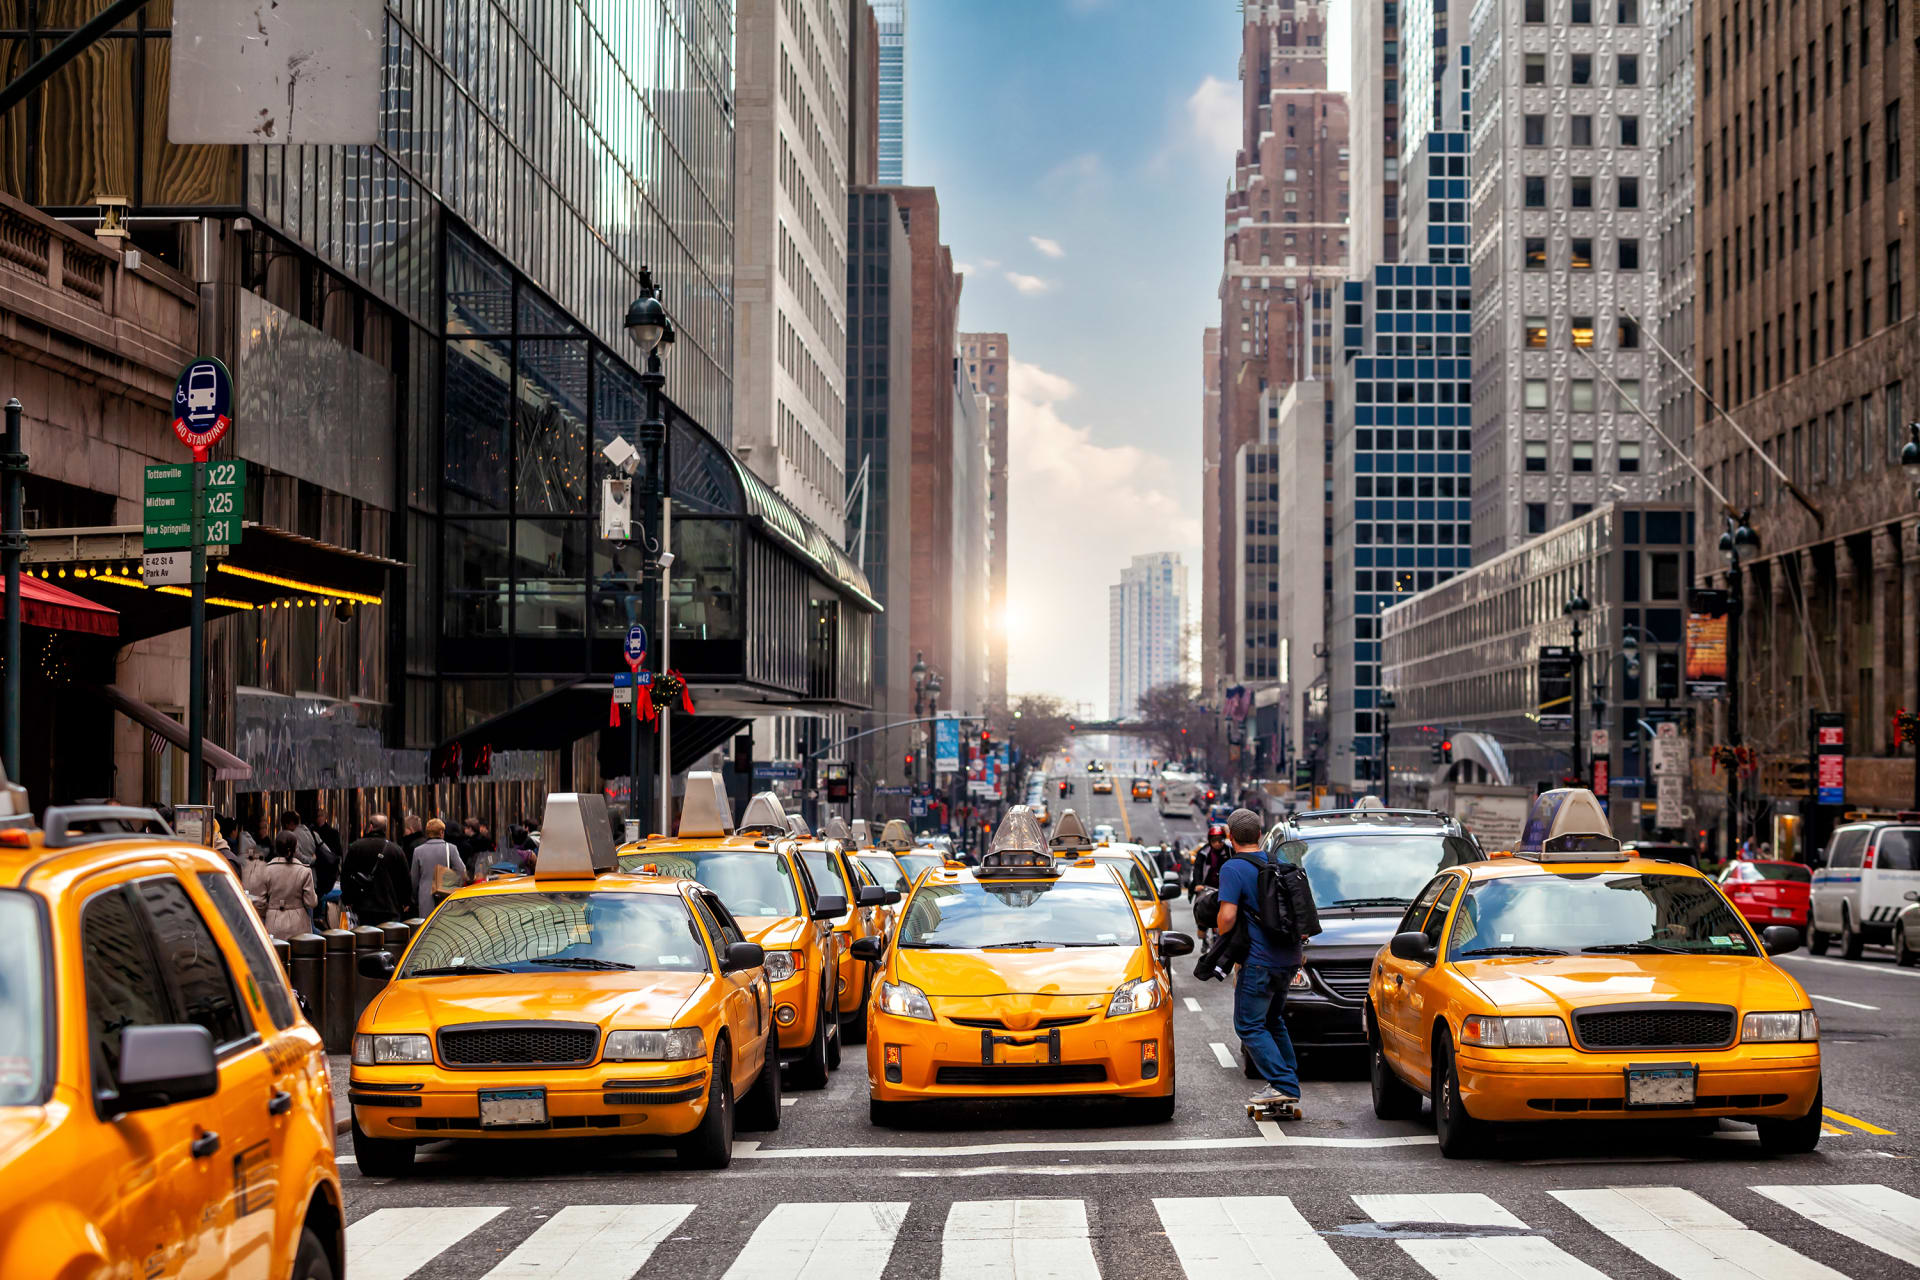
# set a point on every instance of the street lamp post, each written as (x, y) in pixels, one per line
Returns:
(13, 464)
(1577, 608)
(647, 324)
(1739, 538)
(1387, 707)
(1909, 459)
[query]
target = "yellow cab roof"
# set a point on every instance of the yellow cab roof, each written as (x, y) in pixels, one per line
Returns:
(23, 850)
(605, 882)
(1062, 872)
(1502, 866)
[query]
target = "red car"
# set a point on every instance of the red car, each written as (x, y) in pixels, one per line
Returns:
(1769, 892)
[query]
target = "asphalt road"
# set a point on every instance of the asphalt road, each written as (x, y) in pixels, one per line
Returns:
(1070, 1192)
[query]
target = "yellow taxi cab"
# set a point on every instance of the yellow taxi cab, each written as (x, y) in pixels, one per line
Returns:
(164, 1108)
(582, 1001)
(1102, 785)
(831, 862)
(1042, 814)
(758, 874)
(897, 838)
(1150, 894)
(1142, 789)
(1572, 980)
(1023, 977)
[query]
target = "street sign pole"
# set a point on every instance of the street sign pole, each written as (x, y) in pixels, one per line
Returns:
(197, 641)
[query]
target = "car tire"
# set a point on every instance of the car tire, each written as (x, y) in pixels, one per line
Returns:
(1461, 1136)
(1903, 955)
(1852, 941)
(1817, 942)
(381, 1157)
(760, 1110)
(1794, 1137)
(310, 1260)
(813, 1068)
(710, 1145)
(1156, 1110)
(1393, 1098)
(887, 1115)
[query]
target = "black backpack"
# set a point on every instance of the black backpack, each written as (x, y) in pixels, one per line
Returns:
(1285, 897)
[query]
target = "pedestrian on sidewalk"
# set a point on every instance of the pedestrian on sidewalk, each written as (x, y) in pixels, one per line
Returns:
(288, 885)
(1272, 955)
(375, 882)
(437, 865)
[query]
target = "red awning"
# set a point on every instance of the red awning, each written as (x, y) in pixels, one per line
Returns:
(44, 605)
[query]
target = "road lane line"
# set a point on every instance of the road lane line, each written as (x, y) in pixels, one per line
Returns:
(1862, 1125)
(1685, 1236)
(751, 1150)
(1247, 1238)
(1192, 1003)
(1851, 1004)
(848, 1241)
(1874, 1215)
(1475, 1258)
(392, 1244)
(1220, 1053)
(1018, 1239)
(592, 1242)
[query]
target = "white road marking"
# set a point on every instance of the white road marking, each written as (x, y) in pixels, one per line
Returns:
(1685, 1236)
(1192, 1003)
(850, 1241)
(787, 1102)
(1876, 1216)
(1855, 965)
(1475, 1258)
(392, 1244)
(1018, 1239)
(1851, 1004)
(592, 1242)
(1247, 1238)
(1221, 1054)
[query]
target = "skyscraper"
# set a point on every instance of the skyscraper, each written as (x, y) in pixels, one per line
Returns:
(1147, 615)
(892, 17)
(988, 358)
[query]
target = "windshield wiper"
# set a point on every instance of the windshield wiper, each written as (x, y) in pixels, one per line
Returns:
(444, 969)
(1637, 948)
(1023, 942)
(1371, 902)
(1513, 951)
(581, 962)
(933, 946)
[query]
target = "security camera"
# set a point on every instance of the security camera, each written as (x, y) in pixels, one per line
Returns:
(623, 456)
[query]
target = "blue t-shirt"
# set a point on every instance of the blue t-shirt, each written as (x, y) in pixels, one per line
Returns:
(1240, 885)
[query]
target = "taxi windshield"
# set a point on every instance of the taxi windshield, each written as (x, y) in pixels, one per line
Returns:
(23, 1002)
(915, 863)
(1130, 872)
(1596, 914)
(751, 883)
(826, 875)
(550, 932)
(1023, 913)
(885, 871)
(1376, 868)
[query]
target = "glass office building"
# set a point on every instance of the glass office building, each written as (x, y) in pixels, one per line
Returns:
(891, 15)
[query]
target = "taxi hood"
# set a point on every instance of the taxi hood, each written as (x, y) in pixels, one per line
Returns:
(641, 998)
(775, 933)
(1565, 983)
(1060, 971)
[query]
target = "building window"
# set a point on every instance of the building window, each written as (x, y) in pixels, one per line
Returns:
(1581, 192)
(1626, 333)
(1581, 509)
(1536, 72)
(1536, 393)
(1536, 331)
(1536, 10)
(1582, 13)
(1628, 457)
(1535, 196)
(1536, 253)
(1626, 69)
(1583, 455)
(1536, 517)
(1583, 331)
(1892, 130)
(1626, 193)
(1536, 455)
(1582, 131)
(1534, 131)
(1580, 395)
(1627, 13)
(1629, 394)
(1581, 253)
(1629, 131)
(1580, 68)
(1893, 283)
(1896, 429)
(1628, 254)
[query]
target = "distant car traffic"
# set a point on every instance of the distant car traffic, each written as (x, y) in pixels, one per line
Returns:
(1870, 867)
(1142, 789)
(1767, 893)
(1102, 785)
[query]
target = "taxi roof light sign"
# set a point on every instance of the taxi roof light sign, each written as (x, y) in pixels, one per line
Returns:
(1568, 821)
(576, 839)
(764, 816)
(1019, 847)
(797, 826)
(896, 836)
(705, 810)
(1070, 834)
(862, 833)
(836, 829)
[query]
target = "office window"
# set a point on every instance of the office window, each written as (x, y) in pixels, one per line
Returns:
(1534, 130)
(1627, 457)
(1536, 455)
(1629, 131)
(1583, 331)
(1581, 192)
(1536, 327)
(1628, 254)
(1626, 193)
(1582, 127)
(1581, 253)
(1626, 333)
(1536, 393)
(1628, 397)
(1536, 10)
(1582, 12)
(1535, 196)
(1627, 13)
(1536, 68)
(1626, 69)
(1536, 253)
(1580, 68)
(1894, 302)
(1580, 395)
(1583, 455)
(1892, 130)
(1536, 517)
(1896, 427)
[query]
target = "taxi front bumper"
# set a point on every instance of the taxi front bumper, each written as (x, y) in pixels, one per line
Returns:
(1742, 1083)
(613, 1099)
(913, 1060)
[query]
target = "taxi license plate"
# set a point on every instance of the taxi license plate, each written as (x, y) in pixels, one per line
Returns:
(512, 1108)
(1660, 1086)
(1783, 913)
(1009, 1055)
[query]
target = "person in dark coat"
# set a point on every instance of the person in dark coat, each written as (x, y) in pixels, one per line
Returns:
(375, 881)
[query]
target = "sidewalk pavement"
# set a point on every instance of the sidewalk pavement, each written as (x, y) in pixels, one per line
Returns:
(337, 1068)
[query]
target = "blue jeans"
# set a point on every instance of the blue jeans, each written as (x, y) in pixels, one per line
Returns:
(1259, 995)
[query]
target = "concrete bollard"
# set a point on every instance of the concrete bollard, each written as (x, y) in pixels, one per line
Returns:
(397, 935)
(336, 1020)
(284, 954)
(413, 924)
(367, 939)
(308, 969)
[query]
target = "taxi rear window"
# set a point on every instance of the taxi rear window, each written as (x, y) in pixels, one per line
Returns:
(24, 1047)
(750, 883)
(553, 932)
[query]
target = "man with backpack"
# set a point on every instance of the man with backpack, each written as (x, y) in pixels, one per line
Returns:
(374, 878)
(1271, 900)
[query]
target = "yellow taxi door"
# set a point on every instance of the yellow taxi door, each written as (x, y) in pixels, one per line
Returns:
(743, 1010)
(1420, 999)
(1391, 980)
(160, 1169)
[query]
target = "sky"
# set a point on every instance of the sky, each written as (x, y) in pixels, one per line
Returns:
(1082, 149)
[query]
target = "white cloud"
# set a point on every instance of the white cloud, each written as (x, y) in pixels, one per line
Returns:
(990, 263)
(1029, 285)
(963, 268)
(1213, 117)
(1049, 247)
(1081, 177)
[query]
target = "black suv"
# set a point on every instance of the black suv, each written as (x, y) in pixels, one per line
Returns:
(1365, 866)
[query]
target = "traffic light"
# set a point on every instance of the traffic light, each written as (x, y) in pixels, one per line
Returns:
(1433, 753)
(1446, 750)
(909, 762)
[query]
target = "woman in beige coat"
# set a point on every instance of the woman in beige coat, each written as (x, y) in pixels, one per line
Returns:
(287, 884)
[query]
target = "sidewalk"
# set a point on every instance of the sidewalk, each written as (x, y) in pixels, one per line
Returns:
(337, 1067)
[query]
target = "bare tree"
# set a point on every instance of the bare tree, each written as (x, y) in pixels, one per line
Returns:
(1037, 725)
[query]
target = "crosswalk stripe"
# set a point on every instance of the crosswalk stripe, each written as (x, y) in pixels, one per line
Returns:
(1685, 1236)
(592, 1242)
(1876, 1216)
(1019, 1240)
(1474, 1258)
(798, 1241)
(1247, 1238)
(1222, 1056)
(392, 1244)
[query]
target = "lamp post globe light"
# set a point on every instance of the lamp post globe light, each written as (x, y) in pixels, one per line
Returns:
(1910, 460)
(649, 326)
(1737, 541)
(1577, 608)
(1387, 707)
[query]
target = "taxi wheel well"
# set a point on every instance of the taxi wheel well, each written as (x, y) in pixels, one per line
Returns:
(324, 1220)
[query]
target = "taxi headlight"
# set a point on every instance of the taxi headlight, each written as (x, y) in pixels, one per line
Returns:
(904, 1000)
(782, 965)
(677, 1045)
(1137, 996)
(1514, 1033)
(1762, 1027)
(383, 1051)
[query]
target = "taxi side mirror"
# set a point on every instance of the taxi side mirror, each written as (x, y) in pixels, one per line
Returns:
(870, 895)
(376, 964)
(1412, 945)
(1175, 944)
(742, 955)
(1169, 888)
(893, 896)
(829, 906)
(1780, 938)
(868, 949)
(164, 1065)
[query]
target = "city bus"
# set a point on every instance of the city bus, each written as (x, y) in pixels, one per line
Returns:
(1177, 793)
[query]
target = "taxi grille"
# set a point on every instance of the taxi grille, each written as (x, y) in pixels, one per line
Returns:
(1345, 979)
(995, 1024)
(1024, 1074)
(1655, 1027)
(519, 1044)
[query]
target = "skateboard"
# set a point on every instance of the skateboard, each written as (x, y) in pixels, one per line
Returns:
(1281, 1110)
